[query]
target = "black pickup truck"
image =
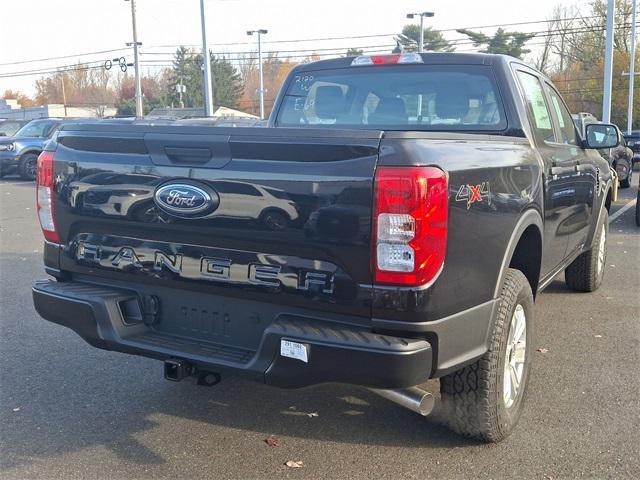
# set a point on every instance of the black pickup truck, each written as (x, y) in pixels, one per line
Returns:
(393, 223)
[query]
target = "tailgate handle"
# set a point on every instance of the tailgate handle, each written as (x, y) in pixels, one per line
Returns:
(188, 154)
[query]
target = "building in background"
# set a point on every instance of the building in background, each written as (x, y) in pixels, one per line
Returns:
(10, 110)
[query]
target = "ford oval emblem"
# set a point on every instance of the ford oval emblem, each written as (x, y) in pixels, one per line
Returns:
(186, 200)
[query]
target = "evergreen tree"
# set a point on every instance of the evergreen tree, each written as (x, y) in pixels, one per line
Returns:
(502, 42)
(187, 69)
(433, 40)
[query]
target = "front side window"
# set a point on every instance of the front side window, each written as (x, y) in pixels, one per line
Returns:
(408, 97)
(9, 128)
(567, 127)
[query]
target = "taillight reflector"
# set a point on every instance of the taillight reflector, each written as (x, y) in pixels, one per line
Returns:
(410, 224)
(44, 197)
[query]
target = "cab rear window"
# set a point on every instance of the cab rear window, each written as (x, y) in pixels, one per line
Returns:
(416, 97)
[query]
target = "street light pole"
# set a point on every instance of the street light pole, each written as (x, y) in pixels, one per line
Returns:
(632, 64)
(608, 62)
(260, 33)
(208, 91)
(420, 50)
(136, 62)
(421, 15)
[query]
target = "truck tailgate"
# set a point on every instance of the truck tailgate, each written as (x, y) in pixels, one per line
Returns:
(292, 224)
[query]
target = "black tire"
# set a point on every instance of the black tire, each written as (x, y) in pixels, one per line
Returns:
(28, 165)
(473, 398)
(638, 209)
(626, 183)
(586, 272)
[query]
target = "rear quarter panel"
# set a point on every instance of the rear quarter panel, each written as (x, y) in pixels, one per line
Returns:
(506, 173)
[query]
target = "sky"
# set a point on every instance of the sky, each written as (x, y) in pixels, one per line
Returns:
(42, 29)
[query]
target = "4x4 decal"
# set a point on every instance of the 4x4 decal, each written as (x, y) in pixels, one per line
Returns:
(474, 193)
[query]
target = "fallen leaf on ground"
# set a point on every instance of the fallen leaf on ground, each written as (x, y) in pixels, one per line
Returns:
(273, 441)
(312, 414)
(294, 464)
(542, 350)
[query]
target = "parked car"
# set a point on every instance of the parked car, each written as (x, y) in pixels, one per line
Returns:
(9, 127)
(620, 158)
(582, 119)
(19, 153)
(471, 190)
(633, 142)
(638, 208)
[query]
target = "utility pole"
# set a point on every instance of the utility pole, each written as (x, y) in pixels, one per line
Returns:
(420, 50)
(608, 62)
(260, 33)
(64, 94)
(181, 89)
(208, 90)
(632, 65)
(136, 61)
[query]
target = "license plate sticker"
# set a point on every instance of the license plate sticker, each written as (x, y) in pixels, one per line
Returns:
(294, 350)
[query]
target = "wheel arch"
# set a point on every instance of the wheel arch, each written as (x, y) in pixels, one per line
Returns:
(28, 151)
(524, 250)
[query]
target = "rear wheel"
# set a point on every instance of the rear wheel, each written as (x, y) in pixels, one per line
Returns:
(586, 272)
(638, 208)
(28, 166)
(484, 400)
(624, 174)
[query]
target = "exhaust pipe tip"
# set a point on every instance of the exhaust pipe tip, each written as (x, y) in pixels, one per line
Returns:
(413, 398)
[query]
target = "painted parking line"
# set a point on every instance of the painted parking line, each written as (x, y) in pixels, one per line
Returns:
(623, 209)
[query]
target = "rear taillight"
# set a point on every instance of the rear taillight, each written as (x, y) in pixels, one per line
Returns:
(410, 224)
(44, 197)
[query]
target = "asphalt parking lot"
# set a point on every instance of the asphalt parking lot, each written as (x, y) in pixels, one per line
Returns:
(68, 410)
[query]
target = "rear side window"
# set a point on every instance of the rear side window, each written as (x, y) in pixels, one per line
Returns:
(407, 97)
(537, 108)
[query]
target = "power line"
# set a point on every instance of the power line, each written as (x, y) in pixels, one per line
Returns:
(229, 56)
(454, 42)
(65, 56)
(347, 37)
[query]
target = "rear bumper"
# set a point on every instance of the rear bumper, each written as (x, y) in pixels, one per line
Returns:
(335, 352)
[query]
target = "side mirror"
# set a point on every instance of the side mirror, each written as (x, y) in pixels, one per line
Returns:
(602, 135)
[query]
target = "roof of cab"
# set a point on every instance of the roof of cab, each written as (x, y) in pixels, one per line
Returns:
(428, 58)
